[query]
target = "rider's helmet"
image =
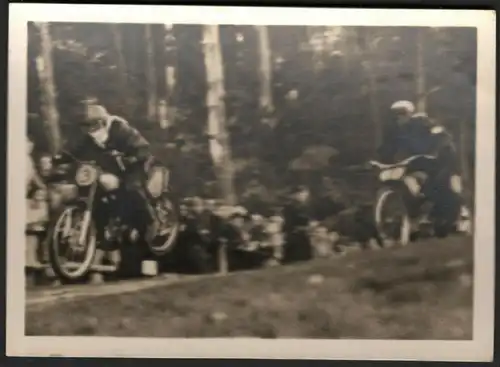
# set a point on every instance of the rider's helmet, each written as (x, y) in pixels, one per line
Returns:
(94, 116)
(95, 122)
(403, 110)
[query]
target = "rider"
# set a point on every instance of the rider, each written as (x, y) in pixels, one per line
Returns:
(415, 134)
(105, 134)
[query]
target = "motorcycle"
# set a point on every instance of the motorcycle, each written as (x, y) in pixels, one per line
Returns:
(98, 191)
(399, 194)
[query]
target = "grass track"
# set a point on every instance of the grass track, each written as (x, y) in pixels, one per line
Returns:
(422, 291)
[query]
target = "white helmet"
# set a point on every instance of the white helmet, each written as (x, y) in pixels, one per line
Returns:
(406, 106)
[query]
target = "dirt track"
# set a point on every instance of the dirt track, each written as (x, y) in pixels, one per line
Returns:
(43, 297)
(39, 298)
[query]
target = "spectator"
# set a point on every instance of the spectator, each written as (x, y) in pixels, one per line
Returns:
(321, 241)
(45, 164)
(234, 232)
(256, 230)
(33, 180)
(298, 215)
(200, 237)
(275, 237)
(36, 209)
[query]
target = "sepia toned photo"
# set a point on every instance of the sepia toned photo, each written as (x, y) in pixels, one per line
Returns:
(251, 182)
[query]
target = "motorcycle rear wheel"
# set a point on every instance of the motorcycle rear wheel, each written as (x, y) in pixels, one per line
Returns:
(162, 244)
(71, 271)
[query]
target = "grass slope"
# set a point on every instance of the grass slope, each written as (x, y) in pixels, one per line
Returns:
(423, 291)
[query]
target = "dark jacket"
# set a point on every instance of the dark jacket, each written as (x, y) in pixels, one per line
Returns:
(122, 138)
(297, 216)
(418, 136)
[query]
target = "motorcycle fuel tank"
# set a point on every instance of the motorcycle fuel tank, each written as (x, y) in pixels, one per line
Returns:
(109, 181)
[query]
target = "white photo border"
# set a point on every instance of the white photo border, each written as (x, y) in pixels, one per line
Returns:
(478, 349)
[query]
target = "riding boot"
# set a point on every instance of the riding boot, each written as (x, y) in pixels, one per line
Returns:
(151, 225)
(413, 204)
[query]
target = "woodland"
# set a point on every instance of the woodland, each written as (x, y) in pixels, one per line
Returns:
(243, 113)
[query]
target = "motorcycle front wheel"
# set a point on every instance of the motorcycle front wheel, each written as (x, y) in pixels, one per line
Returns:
(69, 259)
(391, 217)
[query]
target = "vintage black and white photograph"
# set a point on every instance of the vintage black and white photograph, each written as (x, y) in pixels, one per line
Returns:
(190, 177)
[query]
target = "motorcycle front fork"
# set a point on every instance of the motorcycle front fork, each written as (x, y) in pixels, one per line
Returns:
(87, 219)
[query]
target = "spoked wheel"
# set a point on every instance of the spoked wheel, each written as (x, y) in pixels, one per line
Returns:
(70, 259)
(168, 225)
(391, 217)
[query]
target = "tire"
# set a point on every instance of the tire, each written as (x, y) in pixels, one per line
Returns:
(62, 271)
(161, 246)
(382, 200)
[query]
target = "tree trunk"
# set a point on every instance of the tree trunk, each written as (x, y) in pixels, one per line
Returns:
(368, 52)
(374, 104)
(167, 116)
(121, 66)
(220, 150)
(48, 93)
(265, 70)
(420, 74)
(151, 75)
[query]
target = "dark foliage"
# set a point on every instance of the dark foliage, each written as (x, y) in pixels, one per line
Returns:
(321, 90)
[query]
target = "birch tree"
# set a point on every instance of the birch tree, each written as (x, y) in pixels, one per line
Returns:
(120, 64)
(219, 139)
(167, 113)
(265, 70)
(420, 74)
(120, 60)
(48, 94)
(151, 75)
(368, 53)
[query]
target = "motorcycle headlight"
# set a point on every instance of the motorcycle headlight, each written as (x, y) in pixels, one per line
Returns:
(85, 175)
(392, 174)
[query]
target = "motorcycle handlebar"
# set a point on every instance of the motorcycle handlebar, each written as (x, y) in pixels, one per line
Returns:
(120, 157)
(60, 157)
(402, 163)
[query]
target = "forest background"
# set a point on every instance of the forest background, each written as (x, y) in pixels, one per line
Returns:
(244, 113)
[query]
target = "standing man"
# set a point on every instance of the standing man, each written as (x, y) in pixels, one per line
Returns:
(298, 215)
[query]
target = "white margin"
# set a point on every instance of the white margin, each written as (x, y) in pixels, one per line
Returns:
(479, 349)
